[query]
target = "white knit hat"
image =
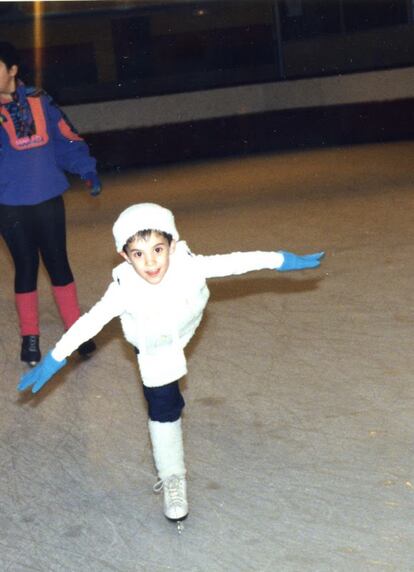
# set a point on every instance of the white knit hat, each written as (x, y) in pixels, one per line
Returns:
(145, 216)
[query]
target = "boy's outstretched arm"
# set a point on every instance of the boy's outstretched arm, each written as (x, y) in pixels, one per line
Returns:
(294, 262)
(38, 376)
(236, 263)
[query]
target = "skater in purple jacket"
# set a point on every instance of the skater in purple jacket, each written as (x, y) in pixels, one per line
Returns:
(37, 144)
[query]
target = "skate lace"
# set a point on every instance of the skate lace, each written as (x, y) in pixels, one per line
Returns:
(174, 486)
(32, 346)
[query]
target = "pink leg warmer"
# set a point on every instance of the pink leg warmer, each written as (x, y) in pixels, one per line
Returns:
(66, 298)
(28, 313)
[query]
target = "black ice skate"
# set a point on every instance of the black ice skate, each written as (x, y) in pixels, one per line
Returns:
(30, 352)
(86, 349)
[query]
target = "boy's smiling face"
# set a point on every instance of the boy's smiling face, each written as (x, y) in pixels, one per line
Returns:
(150, 257)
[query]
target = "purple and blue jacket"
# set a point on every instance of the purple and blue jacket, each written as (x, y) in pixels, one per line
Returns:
(37, 144)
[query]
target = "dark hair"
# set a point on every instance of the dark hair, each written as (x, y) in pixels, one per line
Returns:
(9, 55)
(145, 234)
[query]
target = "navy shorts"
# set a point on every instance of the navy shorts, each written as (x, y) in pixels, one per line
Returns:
(164, 402)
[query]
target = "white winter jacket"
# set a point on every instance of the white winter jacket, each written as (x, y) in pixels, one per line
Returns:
(161, 319)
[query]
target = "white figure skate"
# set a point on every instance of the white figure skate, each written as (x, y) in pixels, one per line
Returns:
(175, 497)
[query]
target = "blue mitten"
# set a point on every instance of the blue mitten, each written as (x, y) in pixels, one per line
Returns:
(93, 183)
(294, 262)
(39, 375)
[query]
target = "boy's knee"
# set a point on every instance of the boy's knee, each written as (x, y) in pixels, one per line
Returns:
(165, 402)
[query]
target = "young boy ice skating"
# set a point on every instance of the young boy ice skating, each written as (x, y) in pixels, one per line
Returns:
(159, 292)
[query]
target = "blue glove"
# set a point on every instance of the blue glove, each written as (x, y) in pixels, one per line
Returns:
(93, 183)
(294, 262)
(39, 375)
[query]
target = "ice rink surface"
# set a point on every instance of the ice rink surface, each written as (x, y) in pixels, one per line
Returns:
(299, 426)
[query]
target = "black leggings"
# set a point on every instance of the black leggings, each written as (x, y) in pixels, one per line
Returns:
(28, 230)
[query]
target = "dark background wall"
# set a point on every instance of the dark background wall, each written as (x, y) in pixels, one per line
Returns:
(95, 52)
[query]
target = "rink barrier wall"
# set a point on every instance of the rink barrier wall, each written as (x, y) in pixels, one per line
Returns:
(357, 108)
(242, 135)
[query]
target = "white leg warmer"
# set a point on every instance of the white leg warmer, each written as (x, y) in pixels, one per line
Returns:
(167, 447)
